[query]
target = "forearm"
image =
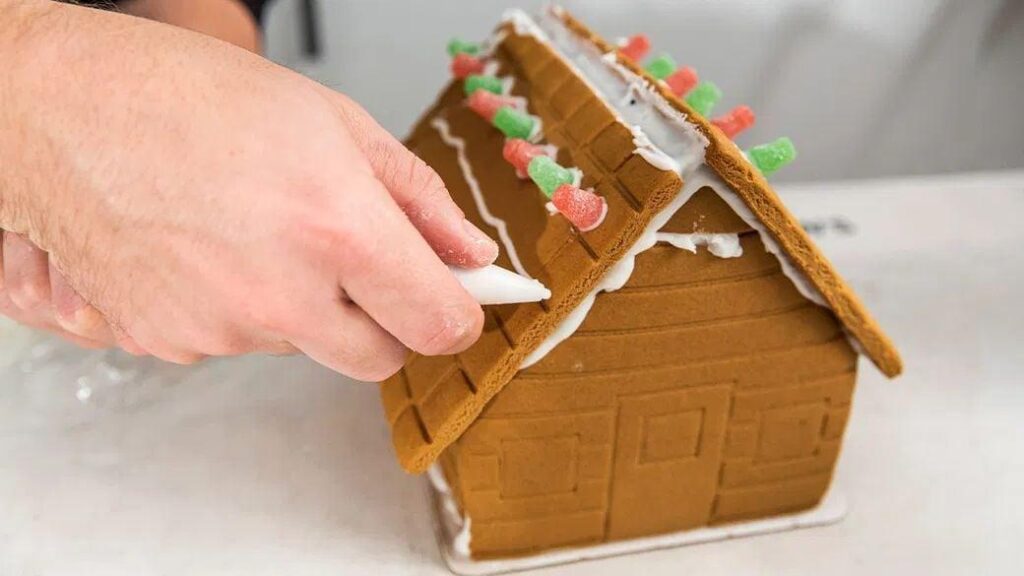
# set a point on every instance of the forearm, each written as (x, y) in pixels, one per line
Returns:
(65, 69)
(227, 20)
(23, 22)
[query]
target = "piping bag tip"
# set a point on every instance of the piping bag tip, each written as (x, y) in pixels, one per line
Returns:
(495, 285)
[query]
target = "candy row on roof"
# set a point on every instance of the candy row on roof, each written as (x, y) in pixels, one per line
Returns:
(702, 96)
(486, 95)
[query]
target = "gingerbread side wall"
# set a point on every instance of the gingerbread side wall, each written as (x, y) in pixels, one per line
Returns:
(706, 391)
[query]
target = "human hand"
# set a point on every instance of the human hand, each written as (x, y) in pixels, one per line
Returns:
(35, 294)
(217, 204)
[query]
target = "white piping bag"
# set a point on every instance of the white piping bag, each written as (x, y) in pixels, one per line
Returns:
(496, 285)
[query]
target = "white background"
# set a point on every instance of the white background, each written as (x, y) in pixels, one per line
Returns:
(262, 466)
(865, 88)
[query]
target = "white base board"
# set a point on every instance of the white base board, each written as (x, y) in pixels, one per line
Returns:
(831, 510)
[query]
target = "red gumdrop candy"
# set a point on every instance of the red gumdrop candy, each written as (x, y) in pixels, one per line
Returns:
(464, 65)
(682, 81)
(735, 121)
(636, 47)
(583, 208)
(518, 153)
(487, 104)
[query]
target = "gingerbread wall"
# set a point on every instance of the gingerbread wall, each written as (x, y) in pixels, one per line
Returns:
(705, 391)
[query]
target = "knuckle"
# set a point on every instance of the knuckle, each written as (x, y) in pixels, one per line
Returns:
(326, 238)
(428, 186)
(352, 250)
(28, 293)
(270, 318)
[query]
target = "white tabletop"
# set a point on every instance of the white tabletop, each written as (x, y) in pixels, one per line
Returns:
(112, 465)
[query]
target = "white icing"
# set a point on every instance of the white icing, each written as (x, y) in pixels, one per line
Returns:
(491, 67)
(522, 24)
(663, 137)
(507, 84)
(669, 142)
(455, 526)
(567, 327)
(832, 509)
(577, 176)
(619, 274)
(669, 137)
(460, 544)
(493, 42)
(721, 245)
(803, 285)
(441, 125)
(537, 132)
(651, 153)
(495, 285)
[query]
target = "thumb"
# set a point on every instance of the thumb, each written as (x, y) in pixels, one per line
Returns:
(418, 190)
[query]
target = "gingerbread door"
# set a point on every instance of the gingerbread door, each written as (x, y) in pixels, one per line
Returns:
(667, 454)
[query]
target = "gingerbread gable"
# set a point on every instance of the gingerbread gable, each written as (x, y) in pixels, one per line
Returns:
(432, 401)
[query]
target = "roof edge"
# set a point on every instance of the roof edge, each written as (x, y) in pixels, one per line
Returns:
(750, 185)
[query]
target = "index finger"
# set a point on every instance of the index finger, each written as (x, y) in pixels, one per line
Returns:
(394, 275)
(418, 191)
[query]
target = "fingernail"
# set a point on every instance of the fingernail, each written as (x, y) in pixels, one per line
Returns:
(485, 248)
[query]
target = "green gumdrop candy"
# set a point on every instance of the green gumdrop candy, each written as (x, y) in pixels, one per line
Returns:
(548, 175)
(457, 46)
(513, 123)
(703, 98)
(662, 67)
(771, 156)
(479, 82)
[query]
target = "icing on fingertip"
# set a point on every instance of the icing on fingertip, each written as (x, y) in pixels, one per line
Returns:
(485, 247)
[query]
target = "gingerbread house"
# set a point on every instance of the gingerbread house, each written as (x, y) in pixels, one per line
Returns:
(695, 363)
